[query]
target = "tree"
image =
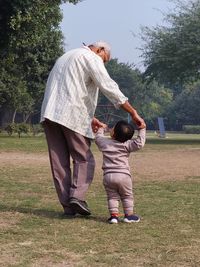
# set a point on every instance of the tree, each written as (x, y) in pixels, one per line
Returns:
(155, 101)
(172, 53)
(128, 81)
(185, 109)
(150, 99)
(31, 40)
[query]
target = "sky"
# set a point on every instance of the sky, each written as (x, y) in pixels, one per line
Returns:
(117, 22)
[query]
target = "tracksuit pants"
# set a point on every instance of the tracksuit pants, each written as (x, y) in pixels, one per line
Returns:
(118, 187)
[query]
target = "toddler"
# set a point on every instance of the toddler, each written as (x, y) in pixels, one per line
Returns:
(117, 178)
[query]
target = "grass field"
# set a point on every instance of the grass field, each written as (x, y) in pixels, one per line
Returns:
(167, 187)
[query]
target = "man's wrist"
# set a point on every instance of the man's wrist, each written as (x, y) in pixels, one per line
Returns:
(133, 113)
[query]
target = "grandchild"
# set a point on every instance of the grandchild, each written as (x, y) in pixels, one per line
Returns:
(117, 178)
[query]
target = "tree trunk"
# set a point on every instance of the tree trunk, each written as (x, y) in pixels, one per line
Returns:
(26, 117)
(13, 117)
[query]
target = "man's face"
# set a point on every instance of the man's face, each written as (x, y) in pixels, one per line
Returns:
(104, 55)
(101, 52)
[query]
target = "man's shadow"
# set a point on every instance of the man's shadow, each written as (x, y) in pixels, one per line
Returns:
(49, 213)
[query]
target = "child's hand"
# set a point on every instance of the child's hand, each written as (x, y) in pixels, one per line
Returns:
(96, 124)
(142, 126)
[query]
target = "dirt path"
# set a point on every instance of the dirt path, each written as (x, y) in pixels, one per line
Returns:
(21, 158)
(167, 165)
(155, 165)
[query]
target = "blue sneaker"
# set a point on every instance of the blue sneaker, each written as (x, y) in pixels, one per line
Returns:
(113, 220)
(131, 218)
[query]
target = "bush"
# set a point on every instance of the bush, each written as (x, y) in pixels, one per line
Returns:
(37, 128)
(10, 128)
(191, 129)
(18, 128)
(22, 128)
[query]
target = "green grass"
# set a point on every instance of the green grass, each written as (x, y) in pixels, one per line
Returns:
(38, 143)
(33, 232)
(33, 227)
(25, 143)
(173, 138)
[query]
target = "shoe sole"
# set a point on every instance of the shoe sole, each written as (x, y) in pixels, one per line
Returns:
(131, 221)
(113, 222)
(79, 209)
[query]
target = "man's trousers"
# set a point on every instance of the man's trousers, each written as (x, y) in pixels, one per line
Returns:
(66, 147)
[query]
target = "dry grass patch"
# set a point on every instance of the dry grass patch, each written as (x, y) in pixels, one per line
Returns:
(161, 165)
(23, 159)
(166, 165)
(9, 220)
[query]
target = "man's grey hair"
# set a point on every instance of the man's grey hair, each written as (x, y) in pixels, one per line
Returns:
(102, 44)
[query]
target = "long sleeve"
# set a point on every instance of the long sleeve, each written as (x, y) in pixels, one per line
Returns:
(100, 138)
(103, 81)
(138, 143)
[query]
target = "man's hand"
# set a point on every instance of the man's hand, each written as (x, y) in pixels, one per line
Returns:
(139, 121)
(96, 124)
(135, 117)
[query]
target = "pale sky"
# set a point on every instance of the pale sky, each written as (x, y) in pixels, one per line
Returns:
(117, 22)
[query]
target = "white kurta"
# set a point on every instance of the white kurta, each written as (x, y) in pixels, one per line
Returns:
(72, 90)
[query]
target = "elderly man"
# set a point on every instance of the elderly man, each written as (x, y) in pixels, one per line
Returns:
(67, 115)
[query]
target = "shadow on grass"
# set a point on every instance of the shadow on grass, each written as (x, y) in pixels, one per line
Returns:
(50, 213)
(38, 212)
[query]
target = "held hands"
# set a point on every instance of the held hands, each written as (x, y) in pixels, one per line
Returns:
(135, 117)
(96, 124)
(139, 121)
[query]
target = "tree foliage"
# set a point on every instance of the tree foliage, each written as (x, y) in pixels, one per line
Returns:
(150, 99)
(172, 56)
(31, 40)
(185, 109)
(172, 53)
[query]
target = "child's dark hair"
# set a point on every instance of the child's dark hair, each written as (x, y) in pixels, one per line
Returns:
(123, 131)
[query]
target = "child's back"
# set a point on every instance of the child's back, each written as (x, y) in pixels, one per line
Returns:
(115, 153)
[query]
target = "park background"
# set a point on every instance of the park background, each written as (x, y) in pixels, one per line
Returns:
(164, 83)
(166, 172)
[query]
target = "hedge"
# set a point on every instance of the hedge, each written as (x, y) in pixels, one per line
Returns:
(191, 129)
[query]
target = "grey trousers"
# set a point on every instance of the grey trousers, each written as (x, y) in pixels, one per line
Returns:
(64, 145)
(118, 187)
